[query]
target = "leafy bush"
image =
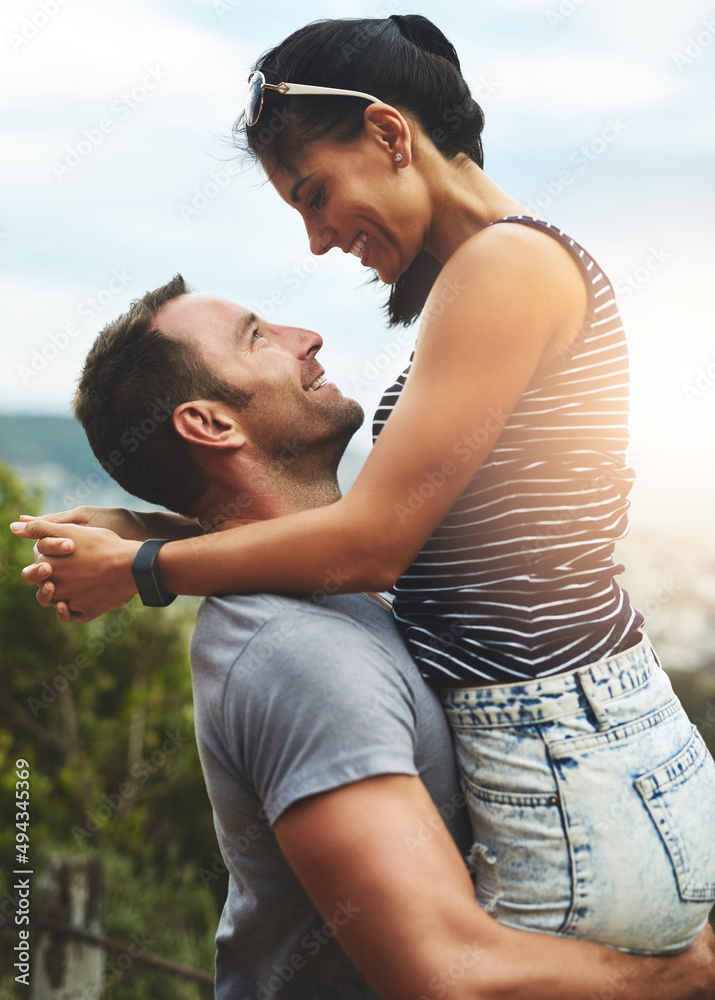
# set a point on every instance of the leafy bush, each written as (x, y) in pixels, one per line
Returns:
(103, 713)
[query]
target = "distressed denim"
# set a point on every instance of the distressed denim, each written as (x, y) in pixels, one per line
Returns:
(592, 802)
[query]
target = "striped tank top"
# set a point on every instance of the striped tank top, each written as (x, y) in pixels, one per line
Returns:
(518, 580)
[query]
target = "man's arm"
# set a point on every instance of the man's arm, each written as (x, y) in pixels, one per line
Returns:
(134, 525)
(378, 861)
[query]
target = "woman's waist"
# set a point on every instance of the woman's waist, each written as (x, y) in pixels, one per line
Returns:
(532, 602)
(555, 680)
(536, 700)
(473, 648)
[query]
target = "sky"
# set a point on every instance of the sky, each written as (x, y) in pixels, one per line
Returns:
(117, 171)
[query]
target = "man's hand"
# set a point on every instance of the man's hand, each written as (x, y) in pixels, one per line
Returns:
(90, 568)
(377, 853)
(695, 967)
(604, 972)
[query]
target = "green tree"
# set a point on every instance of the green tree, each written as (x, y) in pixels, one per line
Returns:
(103, 713)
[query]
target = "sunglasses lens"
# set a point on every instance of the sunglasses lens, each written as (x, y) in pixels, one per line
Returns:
(254, 98)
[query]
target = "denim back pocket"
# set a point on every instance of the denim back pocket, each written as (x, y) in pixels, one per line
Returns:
(680, 797)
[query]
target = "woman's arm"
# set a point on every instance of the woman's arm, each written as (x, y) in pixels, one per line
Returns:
(501, 306)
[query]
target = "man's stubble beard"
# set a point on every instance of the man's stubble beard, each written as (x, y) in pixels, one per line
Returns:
(322, 436)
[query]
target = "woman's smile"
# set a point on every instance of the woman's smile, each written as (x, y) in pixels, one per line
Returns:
(359, 245)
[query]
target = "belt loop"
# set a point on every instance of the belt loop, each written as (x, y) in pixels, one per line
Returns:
(653, 653)
(588, 687)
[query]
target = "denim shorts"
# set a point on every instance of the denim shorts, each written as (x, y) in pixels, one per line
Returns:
(592, 803)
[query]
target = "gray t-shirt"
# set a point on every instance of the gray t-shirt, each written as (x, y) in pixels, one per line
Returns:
(292, 698)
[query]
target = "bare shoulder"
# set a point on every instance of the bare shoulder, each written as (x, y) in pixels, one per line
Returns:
(513, 268)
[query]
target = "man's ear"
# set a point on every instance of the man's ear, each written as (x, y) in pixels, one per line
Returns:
(209, 423)
(388, 127)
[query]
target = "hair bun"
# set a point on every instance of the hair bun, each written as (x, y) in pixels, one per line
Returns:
(426, 36)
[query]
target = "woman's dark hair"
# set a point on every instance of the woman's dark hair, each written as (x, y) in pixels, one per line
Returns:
(405, 61)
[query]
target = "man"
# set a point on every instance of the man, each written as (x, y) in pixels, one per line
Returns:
(327, 759)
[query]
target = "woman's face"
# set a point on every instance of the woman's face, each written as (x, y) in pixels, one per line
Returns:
(356, 197)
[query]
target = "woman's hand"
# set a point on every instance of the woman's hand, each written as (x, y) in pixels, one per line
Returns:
(90, 568)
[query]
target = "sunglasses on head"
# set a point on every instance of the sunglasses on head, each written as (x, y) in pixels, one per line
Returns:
(257, 84)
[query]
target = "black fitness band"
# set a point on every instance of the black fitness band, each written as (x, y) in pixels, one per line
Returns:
(146, 575)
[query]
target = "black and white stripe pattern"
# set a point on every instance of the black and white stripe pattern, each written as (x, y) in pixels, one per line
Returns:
(518, 579)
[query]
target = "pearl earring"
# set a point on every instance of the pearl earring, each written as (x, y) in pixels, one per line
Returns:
(398, 157)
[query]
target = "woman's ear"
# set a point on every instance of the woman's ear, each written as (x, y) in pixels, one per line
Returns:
(209, 423)
(391, 130)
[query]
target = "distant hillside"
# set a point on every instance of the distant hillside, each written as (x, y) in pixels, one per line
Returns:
(670, 577)
(52, 453)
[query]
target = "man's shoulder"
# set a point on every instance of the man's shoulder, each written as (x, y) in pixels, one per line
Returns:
(292, 634)
(246, 615)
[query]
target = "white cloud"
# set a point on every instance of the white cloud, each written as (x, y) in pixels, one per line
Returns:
(93, 52)
(17, 305)
(579, 83)
(120, 207)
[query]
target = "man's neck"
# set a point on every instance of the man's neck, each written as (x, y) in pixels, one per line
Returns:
(229, 507)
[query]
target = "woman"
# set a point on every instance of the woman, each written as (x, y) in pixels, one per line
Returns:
(492, 498)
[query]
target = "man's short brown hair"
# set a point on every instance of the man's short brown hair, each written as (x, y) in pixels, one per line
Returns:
(133, 379)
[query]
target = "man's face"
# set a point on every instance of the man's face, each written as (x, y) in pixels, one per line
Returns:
(292, 402)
